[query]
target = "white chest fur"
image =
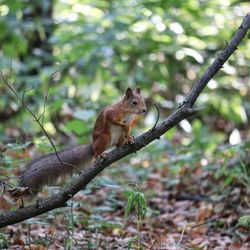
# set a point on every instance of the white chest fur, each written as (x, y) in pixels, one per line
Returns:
(117, 131)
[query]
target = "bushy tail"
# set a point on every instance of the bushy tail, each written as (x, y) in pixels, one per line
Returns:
(47, 169)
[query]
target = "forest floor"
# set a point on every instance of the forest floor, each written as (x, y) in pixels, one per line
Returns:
(190, 205)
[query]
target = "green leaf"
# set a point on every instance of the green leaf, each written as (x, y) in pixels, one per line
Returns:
(130, 203)
(131, 241)
(143, 204)
(137, 202)
(43, 144)
(3, 242)
(76, 126)
(228, 180)
(244, 221)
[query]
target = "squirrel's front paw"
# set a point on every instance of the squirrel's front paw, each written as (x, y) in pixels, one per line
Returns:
(130, 139)
(102, 156)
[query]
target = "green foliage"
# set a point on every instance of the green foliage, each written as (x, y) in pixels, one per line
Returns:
(97, 48)
(132, 241)
(70, 227)
(43, 145)
(202, 138)
(3, 242)
(76, 126)
(137, 203)
(232, 171)
(244, 221)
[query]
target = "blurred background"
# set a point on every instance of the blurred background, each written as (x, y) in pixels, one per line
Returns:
(70, 58)
(83, 54)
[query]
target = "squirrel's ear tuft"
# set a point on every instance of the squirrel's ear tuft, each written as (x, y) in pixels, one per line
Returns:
(138, 90)
(128, 93)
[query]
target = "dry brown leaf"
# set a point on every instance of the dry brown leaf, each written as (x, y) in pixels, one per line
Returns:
(19, 193)
(205, 211)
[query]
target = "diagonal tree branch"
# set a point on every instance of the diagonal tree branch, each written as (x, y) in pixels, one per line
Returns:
(186, 110)
(219, 61)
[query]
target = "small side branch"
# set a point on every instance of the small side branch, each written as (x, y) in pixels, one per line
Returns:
(157, 118)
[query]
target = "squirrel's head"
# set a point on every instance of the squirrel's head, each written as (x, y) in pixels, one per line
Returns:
(133, 102)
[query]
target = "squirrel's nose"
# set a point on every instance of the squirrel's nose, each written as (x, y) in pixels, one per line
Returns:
(144, 110)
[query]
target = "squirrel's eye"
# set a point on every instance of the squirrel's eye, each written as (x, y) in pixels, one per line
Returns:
(135, 102)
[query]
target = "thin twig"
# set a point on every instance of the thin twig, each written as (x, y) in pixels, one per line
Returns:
(24, 92)
(36, 119)
(205, 222)
(157, 118)
(10, 69)
(31, 112)
(46, 97)
(47, 93)
(29, 237)
(40, 116)
(182, 233)
(52, 235)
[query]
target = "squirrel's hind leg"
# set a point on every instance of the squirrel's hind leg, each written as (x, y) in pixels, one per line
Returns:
(99, 146)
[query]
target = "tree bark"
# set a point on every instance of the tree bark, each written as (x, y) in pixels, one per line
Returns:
(186, 110)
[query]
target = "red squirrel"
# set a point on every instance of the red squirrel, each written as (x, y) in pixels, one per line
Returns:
(112, 128)
(113, 124)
